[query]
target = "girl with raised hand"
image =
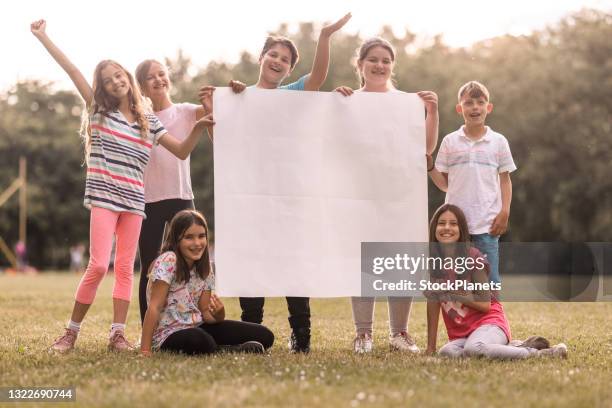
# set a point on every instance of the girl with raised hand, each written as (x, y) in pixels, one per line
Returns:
(279, 57)
(475, 320)
(276, 62)
(375, 62)
(167, 180)
(183, 315)
(119, 135)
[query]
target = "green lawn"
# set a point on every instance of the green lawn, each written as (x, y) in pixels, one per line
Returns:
(34, 310)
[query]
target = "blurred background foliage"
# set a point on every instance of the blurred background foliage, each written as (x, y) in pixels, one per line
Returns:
(552, 92)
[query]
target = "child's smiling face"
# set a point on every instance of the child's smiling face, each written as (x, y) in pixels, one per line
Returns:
(115, 81)
(193, 243)
(377, 66)
(447, 228)
(474, 109)
(275, 64)
(157, 81)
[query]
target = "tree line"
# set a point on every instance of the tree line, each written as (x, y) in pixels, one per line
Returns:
(552, 96)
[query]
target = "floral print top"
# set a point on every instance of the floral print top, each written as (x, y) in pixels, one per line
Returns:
(181, 308)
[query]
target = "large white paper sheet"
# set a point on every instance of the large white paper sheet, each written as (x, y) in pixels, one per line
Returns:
(302, 178)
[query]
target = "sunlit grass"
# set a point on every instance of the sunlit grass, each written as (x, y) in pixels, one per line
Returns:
(34, 310)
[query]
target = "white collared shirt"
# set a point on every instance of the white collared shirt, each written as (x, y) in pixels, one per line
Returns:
(473, 168)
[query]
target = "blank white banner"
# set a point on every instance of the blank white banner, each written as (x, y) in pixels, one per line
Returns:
(302, 178)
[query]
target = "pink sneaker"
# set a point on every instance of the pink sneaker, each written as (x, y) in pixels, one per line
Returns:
(65, 343)
(118, 342)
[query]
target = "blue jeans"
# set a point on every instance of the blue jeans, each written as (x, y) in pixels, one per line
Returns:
(489, 246)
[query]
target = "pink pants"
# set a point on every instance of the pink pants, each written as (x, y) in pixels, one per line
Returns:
(103, 225)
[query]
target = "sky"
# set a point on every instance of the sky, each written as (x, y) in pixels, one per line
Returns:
(130, 31)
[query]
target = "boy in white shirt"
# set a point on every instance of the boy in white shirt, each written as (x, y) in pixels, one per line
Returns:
(473, 167)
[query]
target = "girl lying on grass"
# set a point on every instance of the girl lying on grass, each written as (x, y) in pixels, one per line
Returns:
(183, 315)
(474, 320)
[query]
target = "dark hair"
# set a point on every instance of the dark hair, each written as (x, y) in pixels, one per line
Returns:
(464, 232)
(179, 224)
(366, 46)
(271, 41)
(464, 242)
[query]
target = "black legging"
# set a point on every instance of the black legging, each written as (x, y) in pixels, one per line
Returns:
(151, 236)
(206, 338)
(299, 310)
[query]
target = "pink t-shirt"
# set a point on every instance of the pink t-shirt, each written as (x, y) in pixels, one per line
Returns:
(166, 176)
(461, 320)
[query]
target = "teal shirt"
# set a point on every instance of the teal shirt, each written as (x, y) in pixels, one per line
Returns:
(297, 85)
(294, 86)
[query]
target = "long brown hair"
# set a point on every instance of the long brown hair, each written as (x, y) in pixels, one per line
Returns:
(366, 46)
(176, 231)
(462, 247)
(103, 102)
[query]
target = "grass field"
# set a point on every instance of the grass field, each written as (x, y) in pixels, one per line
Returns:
(34, 310)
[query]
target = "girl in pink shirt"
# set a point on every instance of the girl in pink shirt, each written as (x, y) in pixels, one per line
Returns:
(474, 320)
(167, 179)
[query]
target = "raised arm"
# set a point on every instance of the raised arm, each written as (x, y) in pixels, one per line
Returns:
(430, 99)
(205, 95)
(38, 28)
(320, 65)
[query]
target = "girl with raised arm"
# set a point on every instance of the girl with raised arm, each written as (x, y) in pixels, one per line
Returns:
(119, 135)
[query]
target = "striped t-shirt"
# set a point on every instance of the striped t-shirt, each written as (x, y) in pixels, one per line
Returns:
(117, 160)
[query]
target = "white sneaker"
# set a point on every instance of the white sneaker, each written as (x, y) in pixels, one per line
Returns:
(558, 351)
(403, 342)
(363, 343)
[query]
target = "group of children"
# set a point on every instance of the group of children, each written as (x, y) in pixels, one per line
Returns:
(135, 189)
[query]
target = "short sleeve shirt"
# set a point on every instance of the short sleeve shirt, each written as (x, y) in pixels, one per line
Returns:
(181, 310)
(297, 85)
(473, 169)
(461, 320)
(166, 176)
(117, 160)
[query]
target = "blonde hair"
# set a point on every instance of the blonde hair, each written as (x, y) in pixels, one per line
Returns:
(142, 71)
(103, 102)
(474, 89)
(366, 46)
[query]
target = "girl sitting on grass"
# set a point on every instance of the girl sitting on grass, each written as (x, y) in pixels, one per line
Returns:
(167, 179)
(183, 315)
(474, 320)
